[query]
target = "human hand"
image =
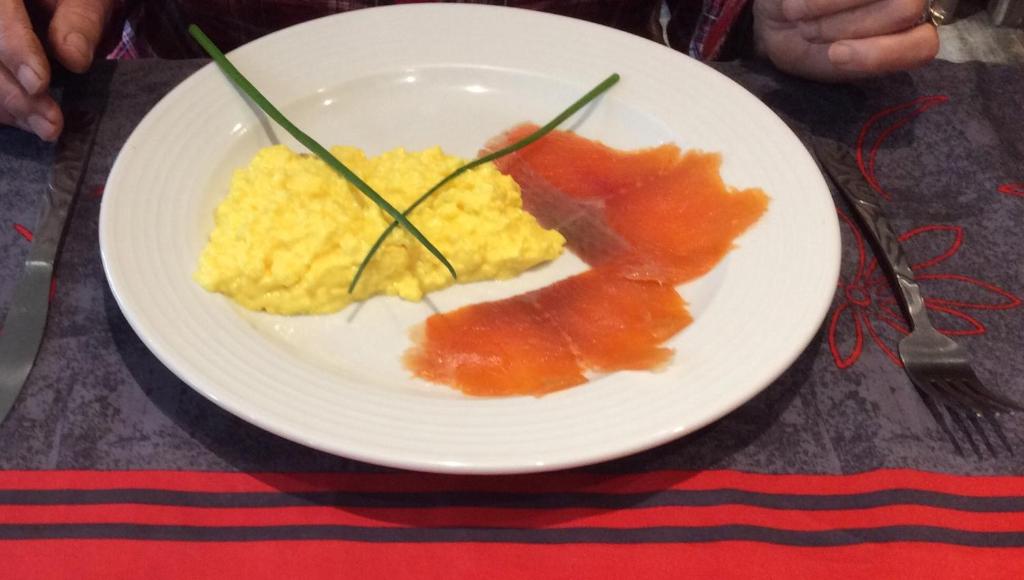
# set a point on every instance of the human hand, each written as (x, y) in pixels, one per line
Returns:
(75, 29)
(837, 40)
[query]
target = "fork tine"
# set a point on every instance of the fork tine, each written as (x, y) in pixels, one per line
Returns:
(998, 430)
(974, 384)
(965, 420)
(955, 401)
(929, 398)
(958, 420)
(951, 393)
(972, 418)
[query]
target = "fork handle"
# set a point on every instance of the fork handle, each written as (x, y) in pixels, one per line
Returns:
(842, 168)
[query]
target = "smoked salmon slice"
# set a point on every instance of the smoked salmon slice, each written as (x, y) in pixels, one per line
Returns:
(542, 341)
(614, 323)
(644, 220)
(581, 168)
(686, 219)
(507, 347)
(656, 213)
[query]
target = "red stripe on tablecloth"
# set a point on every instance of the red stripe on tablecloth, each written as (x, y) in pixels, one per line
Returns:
(336, 559)
(980, 486)
(457, 517)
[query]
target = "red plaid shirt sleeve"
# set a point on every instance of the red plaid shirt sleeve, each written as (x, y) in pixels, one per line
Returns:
(710, 29)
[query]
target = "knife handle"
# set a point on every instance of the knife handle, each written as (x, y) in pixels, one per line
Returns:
(842, 168)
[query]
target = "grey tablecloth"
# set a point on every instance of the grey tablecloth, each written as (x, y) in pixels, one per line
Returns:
(948, 154)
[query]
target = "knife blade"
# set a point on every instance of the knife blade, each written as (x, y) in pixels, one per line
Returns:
(23, 328)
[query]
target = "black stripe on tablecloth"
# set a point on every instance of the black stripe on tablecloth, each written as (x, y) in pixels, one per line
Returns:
(664, 534)
(669, 498)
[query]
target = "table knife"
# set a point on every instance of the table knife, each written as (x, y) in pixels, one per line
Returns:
(22, 330)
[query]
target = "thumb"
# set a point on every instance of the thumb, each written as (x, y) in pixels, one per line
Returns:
(76, 29)
(791, 53)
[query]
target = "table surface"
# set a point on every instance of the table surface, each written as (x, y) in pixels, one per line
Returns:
(972, 37)
(102, 422)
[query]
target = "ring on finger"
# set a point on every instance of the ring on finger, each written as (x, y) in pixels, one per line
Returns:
(937, 12)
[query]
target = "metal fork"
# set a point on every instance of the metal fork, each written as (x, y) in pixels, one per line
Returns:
(936, 365)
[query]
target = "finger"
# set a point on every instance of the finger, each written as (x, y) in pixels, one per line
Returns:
(875, 19)
(807, 60)
(889, 53)
(38, 114)
(809, 9)
(76, 29)
(21, 53)
(9, 119)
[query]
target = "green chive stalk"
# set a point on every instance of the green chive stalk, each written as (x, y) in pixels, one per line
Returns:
(246, 87)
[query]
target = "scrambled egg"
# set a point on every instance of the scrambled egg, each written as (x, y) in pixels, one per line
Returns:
(292, 232)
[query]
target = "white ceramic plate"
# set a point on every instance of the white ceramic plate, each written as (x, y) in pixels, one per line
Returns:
(455, 75)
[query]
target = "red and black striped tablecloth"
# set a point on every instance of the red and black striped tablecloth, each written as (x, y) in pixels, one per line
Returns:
(662, 524)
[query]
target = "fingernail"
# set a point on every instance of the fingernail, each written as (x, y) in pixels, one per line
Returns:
(42, 127)
(794, 9)
(77, 43)
(29, 79)
(840, 54)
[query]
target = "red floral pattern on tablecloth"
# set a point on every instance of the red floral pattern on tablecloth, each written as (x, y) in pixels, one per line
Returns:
(904, 113)
(1014, 189)
(868, 308)
(23, 232)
